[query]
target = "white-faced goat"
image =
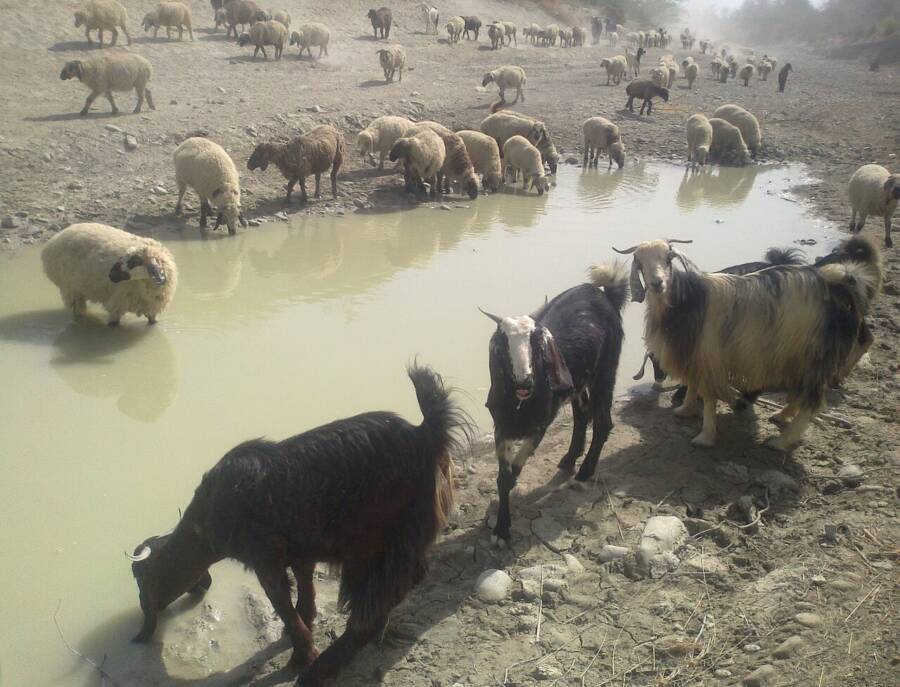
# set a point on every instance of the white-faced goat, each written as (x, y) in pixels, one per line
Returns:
(370, 493)
(568, 350)
(784, 328)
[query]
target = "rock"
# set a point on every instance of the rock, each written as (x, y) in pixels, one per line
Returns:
(752, 648)
(831, 486)
(315, 108)
(75, 185)
(160, 190)
(571, 160)
(776, 482)
(817, 580)
(47, 157)
(722, 672)
(444, 206)
(114, 128)
(808, 619)
(220, 89)
(851, 475)
(492, 585)
(789, 646)
(552, 532)
(662, 536)
(704, 564)
(610, 553)
(254, 222)
(573, 564)
(9, 222)
(130, 142)
(760, 677)
(547, 571)
(546, 671)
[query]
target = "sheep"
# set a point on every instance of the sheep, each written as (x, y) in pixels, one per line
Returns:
(507, 76)
(578, 36)
(509, 32)
(796, 329)
(457, 167)
(772, 61)
(381, 21)
(424, 155)
(727, 143)
(659, 75)
(431, 16)
(100, 16)
(602, 135)
(615, 67)
(783, 76)
(746, 74)
(238, 13)
(646, 90)
(520, 155)
(873, 190)
(691, 73)
(715, 65)
(473, 25)
(264, 33)
(210, 171)
(699, 139)
(455, 28)
(764, 69)
(98, 263)
(282, 17)
(565, 38)
(485, 156)
(634, 60)
(685, 63)
(112, 73)
(169, 14)
(568, 350)
(551, 33)
(495, 33)
(380, 135)
(317, 497)
(392, 58)
(704, 44)
(315, 152)
(502, 125)
(745, 121)
(732, 65)
(216, 6)
(309, 35)
(596, 29)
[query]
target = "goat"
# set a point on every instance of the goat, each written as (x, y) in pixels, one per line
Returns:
(784, 328)
(370, 493)
(568, 350)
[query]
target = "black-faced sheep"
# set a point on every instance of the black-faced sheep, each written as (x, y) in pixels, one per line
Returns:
(112, 73)
(100, 16)
(309, 35)
(169, 14)
(313, 153)
(568, 350)
(423, 154)
(102, 264)
(392, 59)
(379, 137)
(873, 190)
(368, 493)
(210, 171)
(646, 90)
(381, 22)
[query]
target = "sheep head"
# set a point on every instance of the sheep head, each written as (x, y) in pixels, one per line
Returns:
(540, 183)
(488, 78)
(617, 152)
(138, 264)
(149, 21)
(71, 70)
(400, 149)
(372, 14)
(296, 38)
(892, 186)
(260, 157)
(243, 39)
(470, 186)
(652, 261)
(80, 18)
(227, 199)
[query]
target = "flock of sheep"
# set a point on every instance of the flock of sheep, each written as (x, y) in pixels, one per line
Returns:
(802, 327)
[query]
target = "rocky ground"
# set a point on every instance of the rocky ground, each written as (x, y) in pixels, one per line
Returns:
(779, 570)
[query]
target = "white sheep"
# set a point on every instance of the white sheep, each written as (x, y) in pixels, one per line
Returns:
(495, 34)
(485, 155)
(102, 264)
(100, 16)
(169, 14)
(264, 33)
(613, 38)
(551, 34)
(520, 156)
(112, 73)
(380, 136)
(455, 27)
(392, 58)
(659, 75)
(282, 17)
(601, 135)
(424, 155)
(310, 35)
(509, 32)
(727, 143)
(615, 68)
(764, 68)
(691, 72)
(874, 191)
(508, 76)
(431, 16)
(210, 171)
(502, 125)
(746, 73)
(745, 121)
(699, 139)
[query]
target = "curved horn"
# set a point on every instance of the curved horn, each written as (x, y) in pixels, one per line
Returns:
(141, 555)
(627, 251)
(679, 240)
(495, 318)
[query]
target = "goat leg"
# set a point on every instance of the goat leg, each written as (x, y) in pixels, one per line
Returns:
(603, 424)
(306, 593)
(579, 431)
(336, 656)
(707, 436)
(275, 584)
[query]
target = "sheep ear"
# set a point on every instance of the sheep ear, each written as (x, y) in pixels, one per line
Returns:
(217, 192)
(637, 289)
(560, 377)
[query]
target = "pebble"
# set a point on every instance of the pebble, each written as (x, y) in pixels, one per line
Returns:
(114, 128)
(492, 585)
(9, 222)
(752, 648)
(610, 553)
(760, 677)
(47, 157)
(573, 564)
(818, 580)
(662, 536)
(851, 475)
(220, 89)
(789, 646)
(722, 672)
(808, 619)
(159, 190)
(130, 142)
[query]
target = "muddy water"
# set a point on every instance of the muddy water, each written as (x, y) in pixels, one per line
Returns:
(104, 433)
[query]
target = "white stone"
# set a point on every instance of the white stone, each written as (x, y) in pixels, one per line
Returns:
(611, 553)
(493, 585)
(663, 534)
(573, 564)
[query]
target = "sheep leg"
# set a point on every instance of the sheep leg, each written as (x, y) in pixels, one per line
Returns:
(782, 418)
(852, 219)
(139, 92)
(887, 232)
(318, 185)
(115, 36)
(169, 33)
(78, 304)
(707, 436)
(306, 593)
(149, 98)
(303, 197)
(182, 188)
(630, 104)
(205, 211)
(336, 656)
(92, 96)
(87, 34)
(289, 187)
(127, 35)
(335, 168)
(191, 32)
(277, 587)
(862, 221)
(109, 97)
(579, 432)
(400, 80)
(100, 36)
(792, 434)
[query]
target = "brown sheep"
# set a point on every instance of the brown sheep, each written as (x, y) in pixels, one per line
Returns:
(381, 21)
(646, 90)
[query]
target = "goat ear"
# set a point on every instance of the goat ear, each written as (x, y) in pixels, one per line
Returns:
(560, 377)
(685, 263)
(637, 289)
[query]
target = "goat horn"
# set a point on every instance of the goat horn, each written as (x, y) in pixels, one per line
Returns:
(627, 251)
(141, 555)
(679, 240)
(495, 318)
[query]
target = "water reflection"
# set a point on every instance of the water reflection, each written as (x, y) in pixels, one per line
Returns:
(598, 188)
(715, 186)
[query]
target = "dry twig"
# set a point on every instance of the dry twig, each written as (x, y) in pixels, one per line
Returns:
(104, 676)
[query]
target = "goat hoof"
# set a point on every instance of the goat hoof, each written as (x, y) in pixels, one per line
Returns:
(583, 476)
(703, 441)
(499, 542)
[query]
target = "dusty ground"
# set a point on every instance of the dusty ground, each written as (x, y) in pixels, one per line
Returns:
(820, 546)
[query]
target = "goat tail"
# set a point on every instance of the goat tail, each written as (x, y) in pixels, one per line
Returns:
(860, 272)
(785, 256)
(614, 280)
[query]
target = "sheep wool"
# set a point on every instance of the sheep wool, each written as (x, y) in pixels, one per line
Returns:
(508, 76)
(727, 143)
(424, 154)
(210, 171)
(100, 16)
(601, 135)
(691, 73)
(457, 167)
(123, 272)
(312, 35)
(745, 121)
(522, 157)
(169, 14)
(873, 190)
(116, 72)
(264, 33)
(282, 17)
(392, 58)
(699, 139)
(485, 155)
(380, 136)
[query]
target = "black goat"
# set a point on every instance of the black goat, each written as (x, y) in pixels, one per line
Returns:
(567, 350)
(370, 493)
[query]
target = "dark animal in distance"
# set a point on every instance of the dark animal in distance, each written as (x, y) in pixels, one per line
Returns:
(381, 21)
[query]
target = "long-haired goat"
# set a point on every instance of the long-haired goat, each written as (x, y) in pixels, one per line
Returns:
(567, 350)
(370, 493)
(784, 328)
